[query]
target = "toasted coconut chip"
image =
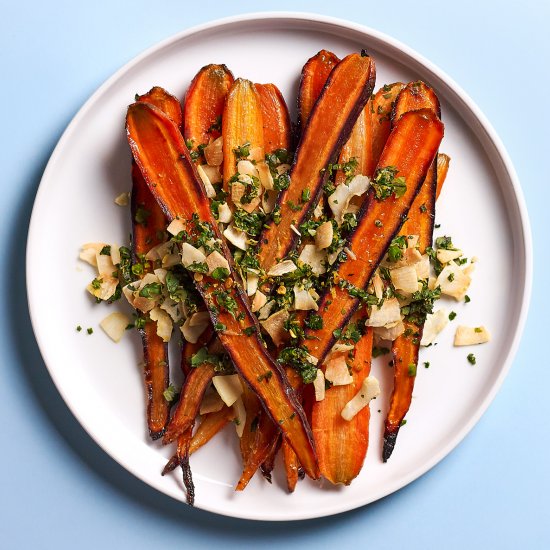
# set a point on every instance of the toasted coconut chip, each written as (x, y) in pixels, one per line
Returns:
(229, 388)
(269, 199)
(256, 154)
(412, 241)
(324, 235)
(264, 173)
(213, 173)
(469, 336)
(211, 402)
(161, 274)
(237, 192)
(405, 279)
(339, 201)
(265, 311)
(337, 372)
(390, 333)
(319, 385)
(143, 304)
(251, 283)
(106, 289)
(123, 199)
(260, 299)
(159, 251)
(193, 327)
(432, 282)
(318, 211)
(175, 227)
(378, 285)
(164, 323)
(333, 256)
(213, 153)
(215, 260)
(453, 281)
(423, 267)
(105, 265)
(351, 254)
(191, 255)
(115, 325)
(370, 389)
(89, 251)
(171, 260)
(208, 187)
(295, 229)
(303, 299)
(434, 324)
(240, 416)
(252, 205)
(339, 347)
(286, 266)
(236, 237)
(469, 269)
(390, 312)
(173, 309)
(411, 256)
(128, 293)
(246, 168)
(274, 326)
(224, 213)
(314, 257)
(445, 256)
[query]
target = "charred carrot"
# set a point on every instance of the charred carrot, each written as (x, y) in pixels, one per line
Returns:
(410, 150)
(161, 154)
(349, 87)
(204, 102)
(443, 162)
(312, 81)
(148, 222)
(420, 221)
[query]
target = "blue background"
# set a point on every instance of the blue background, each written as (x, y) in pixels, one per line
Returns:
(59, 490)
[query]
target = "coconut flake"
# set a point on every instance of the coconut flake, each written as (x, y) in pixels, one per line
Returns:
(318, 211)
(164, 323)
(303, 299)
(123, 199)
(264, 173)
(213, 153)
(115, 325)
(236, 237)
(194, 326)
(445, 256)
(213, 173)
(370, 389)
(350, 253)
(175, 227)
(211, 402)
(173, 309)
(274, 326)
(240, 416)
(215, 260)
(458, 286)
(259, 301)
(337, 372)
(378, 285)
(265, 311)
(191, 255)
(229, 388)
(339, 201)
(405, 279)
(295, 229)
(282, 268)
(208, 187)
(256, 154)
(412, 241)
(106, 289)
(105, 265)
(246, 168)
(389, 312)
(434, 324)
(469, 336)
(89, 251)
(319, 385)
(314, 257)
(389, 333)
(423, 267)
(224, 213)
(269, 199)
(251, 283)
(324, 235)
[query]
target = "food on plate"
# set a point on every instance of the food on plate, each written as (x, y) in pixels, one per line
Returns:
(283, 258)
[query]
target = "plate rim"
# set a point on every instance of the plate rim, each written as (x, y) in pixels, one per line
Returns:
(518, 198)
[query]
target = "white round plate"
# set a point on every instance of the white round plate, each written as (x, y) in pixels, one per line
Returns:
(481, 207)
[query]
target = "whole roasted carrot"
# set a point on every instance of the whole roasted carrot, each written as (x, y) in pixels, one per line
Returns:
(148, 222)
(342, 444)
(420, 221)
(161, 154)
(204, 102)
(349, 87)
(409, 152)
(210, 425)
(276, 118)
(312, 81)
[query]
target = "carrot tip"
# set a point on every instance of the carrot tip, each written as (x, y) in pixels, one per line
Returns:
(389, 443)
(171, 465)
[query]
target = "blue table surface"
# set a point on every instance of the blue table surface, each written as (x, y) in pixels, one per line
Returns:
(59, 490)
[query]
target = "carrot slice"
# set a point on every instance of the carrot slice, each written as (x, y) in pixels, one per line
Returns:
(312, 81)
(204, 102)
(420, 222)
(160, 152)
(443, 162)
(276, 118)
(145, 235)
(341, 444)
(211, 424)
(349, 87)
(411, 148)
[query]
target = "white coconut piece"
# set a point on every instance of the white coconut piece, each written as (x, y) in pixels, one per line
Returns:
(405, 279)
(236, 237)
(123, 199)
(213, 153)
(469, 336)
(319, 385)
(115, 325)
(264, 173)
(211, 402)
(259, 301)
(389, 333)
(445, 256)
(215, 260)
(303, 300)
(324, 235)
(191, 255)
(240, 416)
(337, 372)
(339, 201)
(453, 281)
(208, 187)
(274, 326)
(314, 257)
(370, 389)
(286, 266)
(164, 323)
(389, 312)
(229, 388)
(434, 324)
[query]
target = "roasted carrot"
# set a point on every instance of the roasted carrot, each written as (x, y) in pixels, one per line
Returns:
(349, 87)
(210, 425)
(161, 154)
(182, 453)
(420, 222)
(410, 150)
(443, 162)
(148, 222)
(312, 81)
(204, 102)
(275, 116)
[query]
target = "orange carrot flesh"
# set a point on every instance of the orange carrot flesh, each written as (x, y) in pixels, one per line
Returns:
(349, 87)
(204, 102)
(411, 148)
(160, 151)
(211, 424)
(312, 81)
(341, 444)
(443, 162)
(276, 118)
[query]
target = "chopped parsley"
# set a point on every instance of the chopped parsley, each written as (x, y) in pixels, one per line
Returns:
(314, 322)
(297, 358)
(377, 351)
(397, 248)
(141, 215)
(170, 393)
(386, 183)
(471, 359)
(220, 273)
(452, 316)
(151, 291)
(90, 330)
(242, 151)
